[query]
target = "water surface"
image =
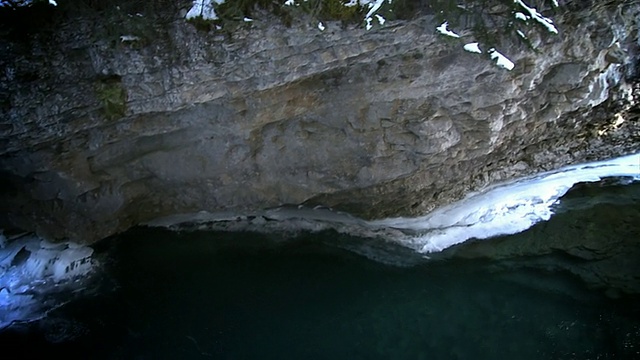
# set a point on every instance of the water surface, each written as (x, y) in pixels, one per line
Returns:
(325, 295)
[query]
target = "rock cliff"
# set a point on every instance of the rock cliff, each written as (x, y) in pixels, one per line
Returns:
(102, 128)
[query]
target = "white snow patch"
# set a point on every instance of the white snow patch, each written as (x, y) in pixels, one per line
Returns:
(368, 26)
(321, 26)
(521, 16)
(289, 3)
(204, 9)
(473, 47)
(546, 22)
(522, 35)
(442, 29)
(373, 7)
(52, 2)
(501, 60)
(246, 19)
(555, 3)
(128, 38)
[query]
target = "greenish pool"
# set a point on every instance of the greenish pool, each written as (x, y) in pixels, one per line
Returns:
(217, 295)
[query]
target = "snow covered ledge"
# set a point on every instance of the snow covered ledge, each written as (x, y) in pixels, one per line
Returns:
(37, 276)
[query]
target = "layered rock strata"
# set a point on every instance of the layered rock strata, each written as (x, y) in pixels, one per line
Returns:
(101, 132)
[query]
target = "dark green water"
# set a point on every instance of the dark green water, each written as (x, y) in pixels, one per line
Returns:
(207, 295)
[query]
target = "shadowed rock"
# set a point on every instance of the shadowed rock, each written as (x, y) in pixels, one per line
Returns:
(98, 134)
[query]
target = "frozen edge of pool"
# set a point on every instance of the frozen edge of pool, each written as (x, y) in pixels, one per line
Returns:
(501, 209)
(506, 208)
(33, 271)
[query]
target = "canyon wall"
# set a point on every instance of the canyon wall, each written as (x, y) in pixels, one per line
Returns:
(99, 133)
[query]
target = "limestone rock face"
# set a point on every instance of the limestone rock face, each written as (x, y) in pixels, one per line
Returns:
(99, 134)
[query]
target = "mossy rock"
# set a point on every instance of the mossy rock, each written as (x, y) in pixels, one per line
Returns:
(336, 10)
(113, 97)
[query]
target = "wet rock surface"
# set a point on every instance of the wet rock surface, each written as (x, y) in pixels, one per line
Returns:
(100, 134)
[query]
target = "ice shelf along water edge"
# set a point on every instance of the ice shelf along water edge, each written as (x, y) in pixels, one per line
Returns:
(33, 271)
(501, 209)
(506, 208)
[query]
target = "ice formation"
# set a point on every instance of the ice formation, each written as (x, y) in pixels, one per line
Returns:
(504, 209)
(501, 209)
(31, 269)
